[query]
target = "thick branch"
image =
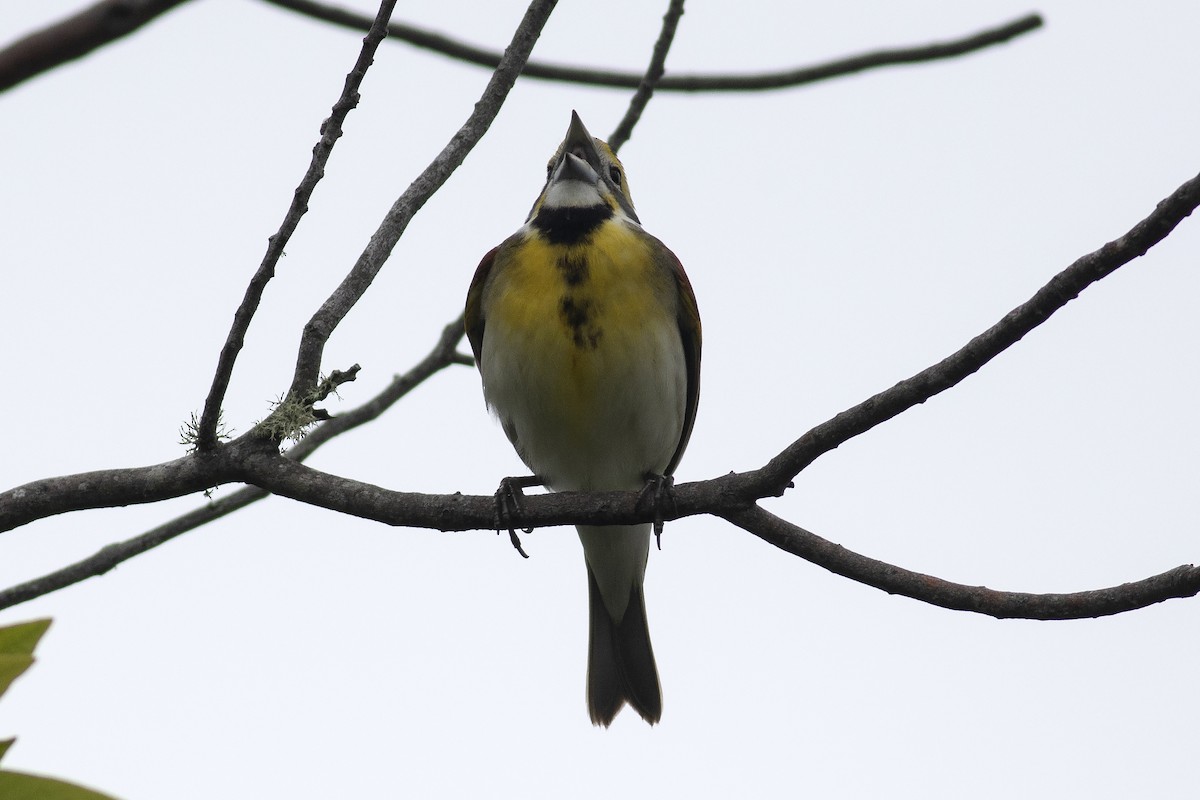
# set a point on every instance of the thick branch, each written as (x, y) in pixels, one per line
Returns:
(321, 326)
(76, 36)
(782, 79)
(654, 73)
(331, 131)
(110, 488)
(457, 512)
(1182, 581)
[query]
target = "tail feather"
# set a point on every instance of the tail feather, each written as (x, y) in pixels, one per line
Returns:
(621, 665)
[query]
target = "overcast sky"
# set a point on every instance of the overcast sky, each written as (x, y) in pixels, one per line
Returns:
(839, 237)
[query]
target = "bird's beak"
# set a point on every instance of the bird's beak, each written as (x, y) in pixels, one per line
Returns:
(579, 141)
(580, 144)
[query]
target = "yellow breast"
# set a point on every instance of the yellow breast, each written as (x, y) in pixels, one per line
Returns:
(582, 357)
(572, 296)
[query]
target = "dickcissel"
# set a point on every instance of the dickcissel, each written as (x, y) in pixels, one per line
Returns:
(587, 337)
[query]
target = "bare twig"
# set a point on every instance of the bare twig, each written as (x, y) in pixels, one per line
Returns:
(75, 37)
(654, 73)
(111, 19)
(111, 555)
(1064, 287)
(442, 355)
(1182, 581)
(679, 82)
(322, 324)
(331, 131)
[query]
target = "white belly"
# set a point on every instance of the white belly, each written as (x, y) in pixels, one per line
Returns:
(596, 418)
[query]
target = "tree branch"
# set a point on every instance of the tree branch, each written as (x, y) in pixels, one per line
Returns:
(110, 488)
(738, 490)
(442, 355)
(331, 131)
(247, 460)
(774, 478)
(75, 37)
(1182, 581)
(654, 73)
(459, 512)
(322, 324)
(782, 79)
(111, 555)
(732, 497)
(109, 20)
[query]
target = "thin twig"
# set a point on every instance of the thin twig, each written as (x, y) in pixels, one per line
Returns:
(654, 73)
(111, 555)
(1183, 581)
(679, 82)
(1064, 287)
(75, 37)
(331, 131)
(442, 356)
(322, 324)
(84, 32)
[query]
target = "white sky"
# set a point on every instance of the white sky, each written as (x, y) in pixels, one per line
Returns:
(839, 237)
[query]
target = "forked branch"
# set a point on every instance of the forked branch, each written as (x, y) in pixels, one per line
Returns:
(322, 324)
(331, 131)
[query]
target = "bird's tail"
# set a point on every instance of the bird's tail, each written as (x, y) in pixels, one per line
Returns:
(621, 666)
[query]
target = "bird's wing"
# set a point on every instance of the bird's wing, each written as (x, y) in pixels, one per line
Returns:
(689, 332)
(474, 310)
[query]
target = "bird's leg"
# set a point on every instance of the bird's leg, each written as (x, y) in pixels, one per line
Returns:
(660, 491)
(509, 508)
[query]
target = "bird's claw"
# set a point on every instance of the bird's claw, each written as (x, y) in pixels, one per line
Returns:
(509, 508)
(660, 492)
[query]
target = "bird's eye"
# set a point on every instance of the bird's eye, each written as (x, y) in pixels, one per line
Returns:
(615, 174)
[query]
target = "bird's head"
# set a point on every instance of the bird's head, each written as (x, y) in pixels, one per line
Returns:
(584, 174)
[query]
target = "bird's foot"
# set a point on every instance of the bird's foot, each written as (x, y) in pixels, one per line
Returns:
(659, 491)
(509, 508)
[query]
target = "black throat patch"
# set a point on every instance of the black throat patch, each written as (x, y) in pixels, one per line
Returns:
(570, 225)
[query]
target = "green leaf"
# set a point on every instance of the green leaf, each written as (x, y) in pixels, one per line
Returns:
(21, 786)
(22, 638)
(16, 654)
(10, 667)
(16, 649)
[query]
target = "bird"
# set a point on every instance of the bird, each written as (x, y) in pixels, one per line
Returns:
(587, 337)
